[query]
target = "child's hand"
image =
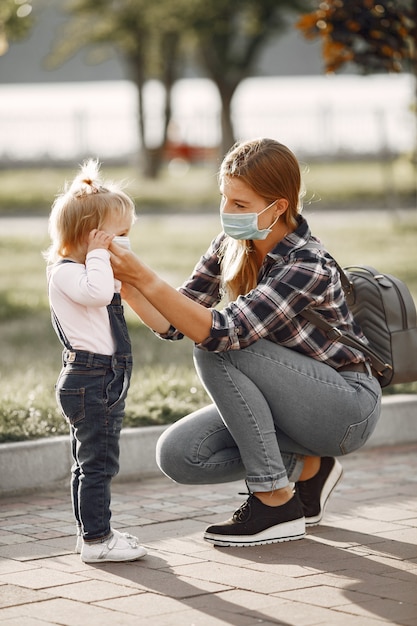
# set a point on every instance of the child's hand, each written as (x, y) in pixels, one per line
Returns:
(99, 239)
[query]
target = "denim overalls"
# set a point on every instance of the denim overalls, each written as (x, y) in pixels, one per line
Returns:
(91, 392)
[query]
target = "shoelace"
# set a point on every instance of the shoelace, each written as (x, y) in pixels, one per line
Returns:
(131, 539)
(242, 513)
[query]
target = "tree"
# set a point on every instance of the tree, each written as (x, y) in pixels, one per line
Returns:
(230, 36)
(145, 34)
(375, 35)
(224, 36)
(15, 22)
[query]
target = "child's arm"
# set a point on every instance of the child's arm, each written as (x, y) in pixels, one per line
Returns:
(90, 283)
(97, 283)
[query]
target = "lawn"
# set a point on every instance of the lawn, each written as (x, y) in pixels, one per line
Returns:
(164, 385)
(366, 183)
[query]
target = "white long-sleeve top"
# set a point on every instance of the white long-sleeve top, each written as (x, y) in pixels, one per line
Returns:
(79, 294)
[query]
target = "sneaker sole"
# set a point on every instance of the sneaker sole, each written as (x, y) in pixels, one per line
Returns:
(116, 560)
(330, 484)
(288, 531)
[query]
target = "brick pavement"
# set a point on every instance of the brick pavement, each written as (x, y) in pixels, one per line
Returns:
(358, 568)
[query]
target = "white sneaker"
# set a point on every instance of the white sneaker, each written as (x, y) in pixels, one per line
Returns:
(79, 544)
(118, 547)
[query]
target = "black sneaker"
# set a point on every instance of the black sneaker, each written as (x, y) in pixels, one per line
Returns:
(315, 492)
(255, 524)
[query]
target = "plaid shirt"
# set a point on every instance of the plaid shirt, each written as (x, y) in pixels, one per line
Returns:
(290, 279)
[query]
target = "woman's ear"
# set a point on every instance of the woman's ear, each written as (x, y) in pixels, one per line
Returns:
(282, 206)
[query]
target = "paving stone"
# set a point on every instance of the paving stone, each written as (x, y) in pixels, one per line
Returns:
(13, 595)
(359, 566)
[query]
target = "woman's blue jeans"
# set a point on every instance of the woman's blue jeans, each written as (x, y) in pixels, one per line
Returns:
(271, 407)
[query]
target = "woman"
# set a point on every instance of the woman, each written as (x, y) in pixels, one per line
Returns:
(286, 398)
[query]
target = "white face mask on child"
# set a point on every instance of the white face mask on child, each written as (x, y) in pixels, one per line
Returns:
(122, 241)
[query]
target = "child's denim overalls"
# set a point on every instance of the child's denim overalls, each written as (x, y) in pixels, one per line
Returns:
(91, 392)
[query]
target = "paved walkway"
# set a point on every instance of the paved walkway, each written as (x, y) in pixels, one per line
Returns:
(359, 568)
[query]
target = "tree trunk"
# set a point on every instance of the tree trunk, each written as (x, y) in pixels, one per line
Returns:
(226, 83)
(152, 158)
(228, 134)
(146, 156)
(169, 73)
(153, 161)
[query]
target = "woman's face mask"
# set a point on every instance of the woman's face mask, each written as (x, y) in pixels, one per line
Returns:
(245, 225)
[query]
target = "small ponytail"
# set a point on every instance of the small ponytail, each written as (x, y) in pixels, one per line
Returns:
(88, 181)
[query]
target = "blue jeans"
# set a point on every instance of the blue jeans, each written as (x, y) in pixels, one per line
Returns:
(91, 392)
(271, 407)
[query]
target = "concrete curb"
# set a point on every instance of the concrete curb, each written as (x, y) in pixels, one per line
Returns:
(45, 463)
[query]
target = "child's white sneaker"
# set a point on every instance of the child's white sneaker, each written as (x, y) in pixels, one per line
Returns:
(118, 547)
(79, 543)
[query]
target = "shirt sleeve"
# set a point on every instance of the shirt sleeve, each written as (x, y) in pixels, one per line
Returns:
(91, 284)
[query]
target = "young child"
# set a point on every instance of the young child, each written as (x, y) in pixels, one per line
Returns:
(97, 360)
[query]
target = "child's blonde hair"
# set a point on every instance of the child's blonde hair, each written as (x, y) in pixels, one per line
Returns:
(84, 205)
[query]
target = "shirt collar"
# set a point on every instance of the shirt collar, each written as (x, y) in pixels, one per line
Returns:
(295, 240)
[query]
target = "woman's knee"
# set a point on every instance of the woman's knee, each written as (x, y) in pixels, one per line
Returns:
(185, 449)
(170, 454)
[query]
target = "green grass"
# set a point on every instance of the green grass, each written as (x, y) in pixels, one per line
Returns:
(374, 184)
(365, 183)
(164, 385)
(26, 191)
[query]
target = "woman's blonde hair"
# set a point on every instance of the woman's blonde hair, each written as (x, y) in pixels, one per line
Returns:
(273, 172)
(85, 204)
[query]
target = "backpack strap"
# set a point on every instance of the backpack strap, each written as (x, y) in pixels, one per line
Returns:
(333, 332)
(348, 339)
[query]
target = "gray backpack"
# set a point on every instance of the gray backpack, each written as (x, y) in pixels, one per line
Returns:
(384, 309)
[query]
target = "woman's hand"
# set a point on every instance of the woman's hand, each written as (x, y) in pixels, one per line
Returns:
(121, 260)
(125, 264)
(156, 302)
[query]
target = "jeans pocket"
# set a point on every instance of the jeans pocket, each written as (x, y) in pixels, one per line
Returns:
(71, 403)
(358, 434)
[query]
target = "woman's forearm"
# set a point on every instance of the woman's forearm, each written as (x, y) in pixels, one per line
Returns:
(173, 307)
(189, 317)
(146, 311)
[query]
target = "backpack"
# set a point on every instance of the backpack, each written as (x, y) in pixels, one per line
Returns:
(383, 307)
